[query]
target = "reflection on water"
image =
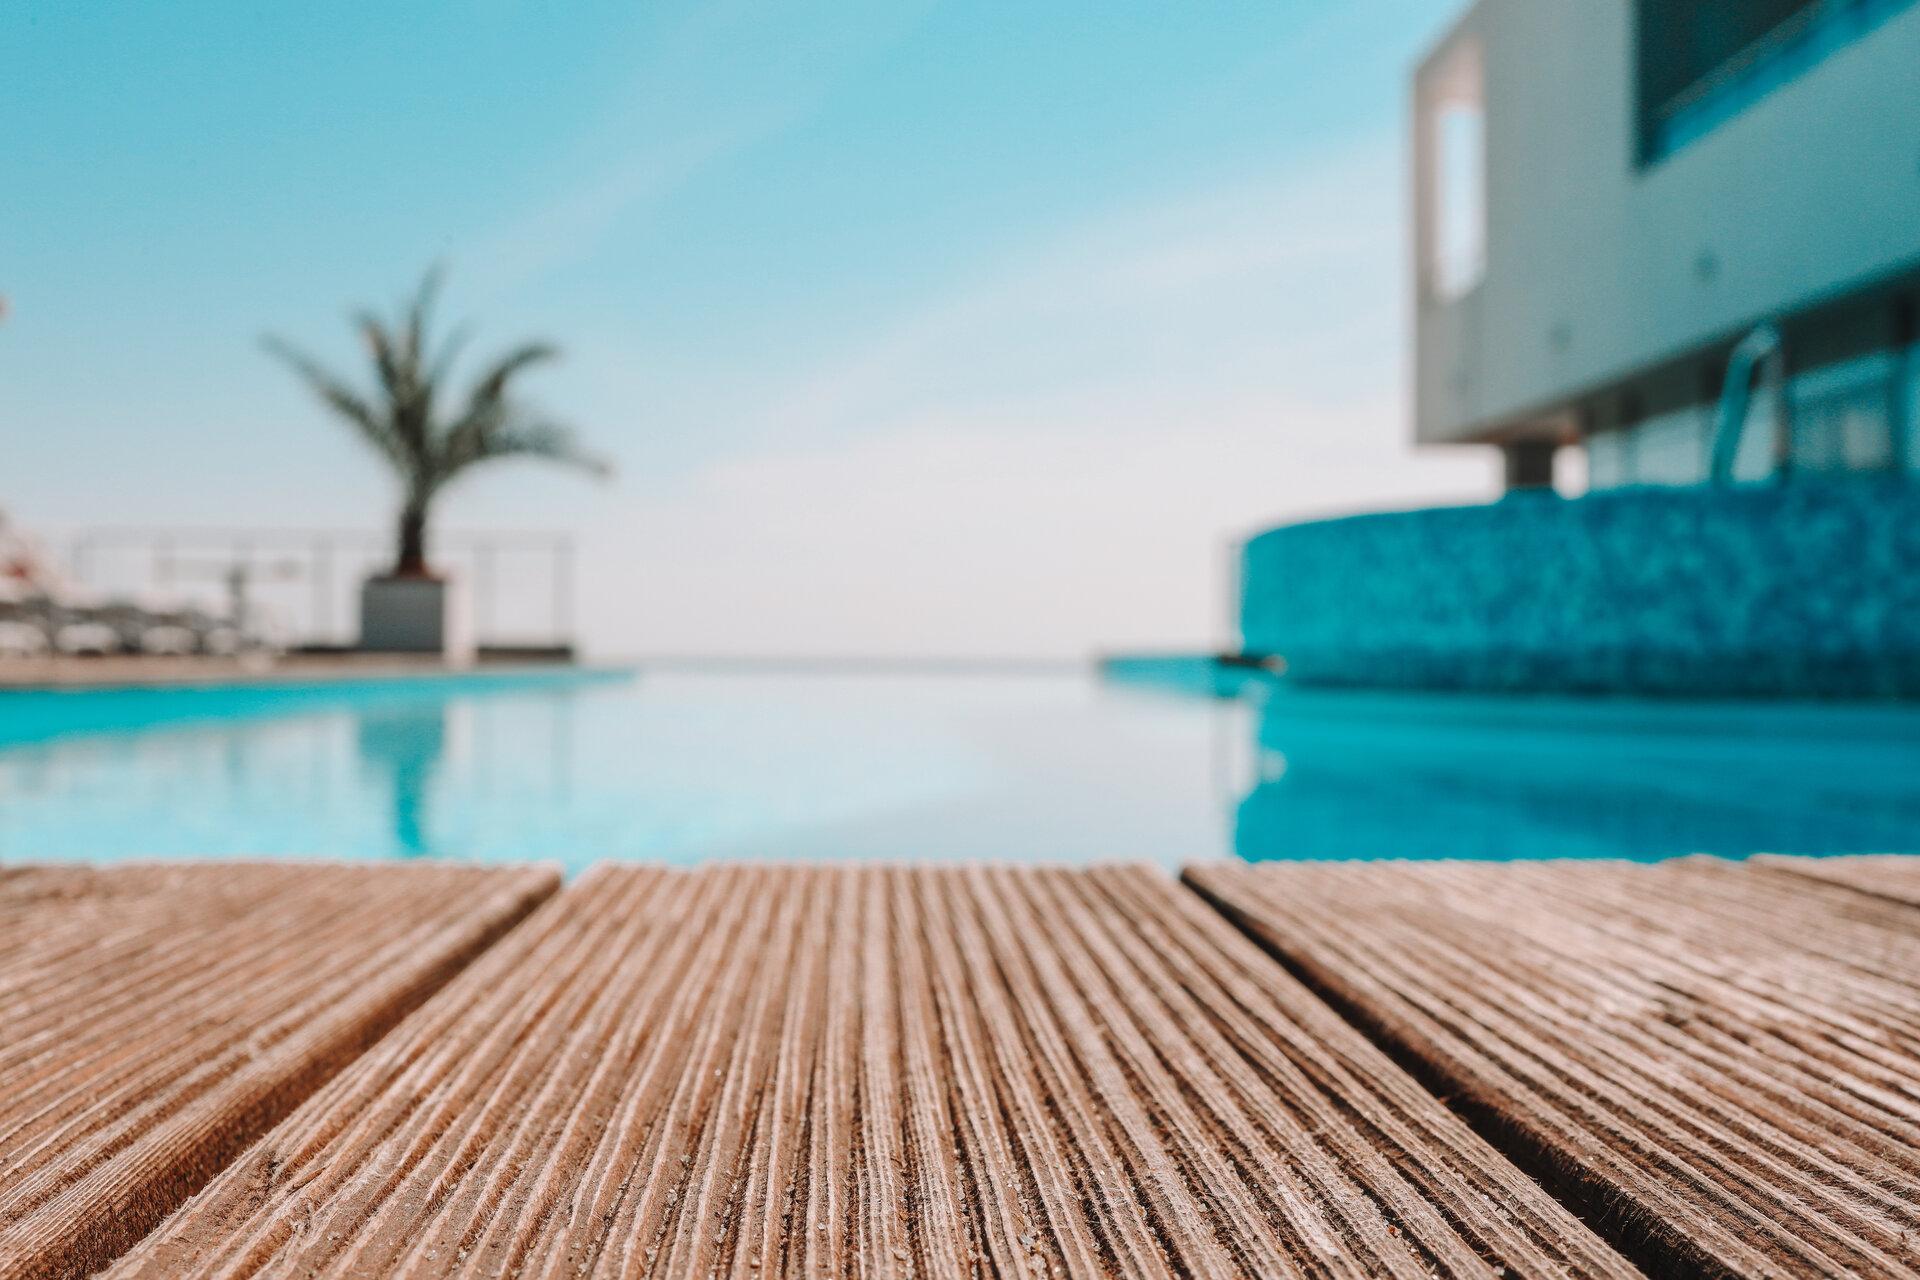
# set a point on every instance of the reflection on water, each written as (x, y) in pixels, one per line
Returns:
(1168, 765)
(1356, 775)
(672, 767)
(353, 771)
(400, 748)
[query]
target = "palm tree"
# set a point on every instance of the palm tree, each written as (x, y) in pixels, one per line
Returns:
(407, 423)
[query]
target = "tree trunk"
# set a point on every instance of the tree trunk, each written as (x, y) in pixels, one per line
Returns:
(412, 561)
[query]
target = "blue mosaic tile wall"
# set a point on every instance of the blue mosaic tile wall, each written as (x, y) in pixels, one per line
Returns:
(1807, 589)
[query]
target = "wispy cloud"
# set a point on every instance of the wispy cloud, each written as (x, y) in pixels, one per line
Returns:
(1059, 454)
(717, 81)
(1160, 296)
(1052, 528)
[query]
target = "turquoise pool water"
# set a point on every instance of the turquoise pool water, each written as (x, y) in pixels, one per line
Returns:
(684, 766)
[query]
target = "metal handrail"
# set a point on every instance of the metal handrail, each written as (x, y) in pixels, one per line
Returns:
(1761, 352)
(162, 557)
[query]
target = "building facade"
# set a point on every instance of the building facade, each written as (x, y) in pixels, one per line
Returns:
(1612, 195)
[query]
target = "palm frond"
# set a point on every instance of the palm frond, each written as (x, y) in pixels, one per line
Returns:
(490, 388)
(505, 430)
(549, 441)
(405, 419)
(387, 358)
(408, 395)
(421, 311)
(339, 395)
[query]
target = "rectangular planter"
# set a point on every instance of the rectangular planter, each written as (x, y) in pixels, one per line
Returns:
(415, 615)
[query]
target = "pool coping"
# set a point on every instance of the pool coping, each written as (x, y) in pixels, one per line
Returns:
(113, 675)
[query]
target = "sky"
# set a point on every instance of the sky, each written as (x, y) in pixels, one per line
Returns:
(965, 328)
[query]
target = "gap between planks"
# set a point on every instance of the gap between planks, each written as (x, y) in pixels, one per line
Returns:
(160, 1017)
(750, 1071)
(1717, 1064)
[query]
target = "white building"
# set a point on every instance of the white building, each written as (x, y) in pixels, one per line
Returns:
(1611, 194)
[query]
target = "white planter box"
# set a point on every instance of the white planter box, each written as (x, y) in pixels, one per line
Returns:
(415, 615)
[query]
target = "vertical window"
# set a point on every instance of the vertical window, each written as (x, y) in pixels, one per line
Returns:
(1454, 137)
(1759, 453)
(1905, 424)
(1841, 416)
(1671, 448)
(1910, 407)
(1607, 460)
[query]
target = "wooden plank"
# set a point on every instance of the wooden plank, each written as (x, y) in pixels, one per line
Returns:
(752, 1072)
(1719, 1062)
(1885, 875)
(155, 1019)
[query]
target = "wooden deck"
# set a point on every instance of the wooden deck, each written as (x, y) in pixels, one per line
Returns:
(1721, 1060)
(1385, 1069)
(154, 1020)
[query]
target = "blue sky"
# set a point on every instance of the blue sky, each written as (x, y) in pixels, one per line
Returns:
(914, 327)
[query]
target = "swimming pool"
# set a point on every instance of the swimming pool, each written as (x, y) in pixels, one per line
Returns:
(681, 766)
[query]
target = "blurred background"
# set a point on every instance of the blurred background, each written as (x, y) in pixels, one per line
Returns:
(1316, 429)
(896, 318)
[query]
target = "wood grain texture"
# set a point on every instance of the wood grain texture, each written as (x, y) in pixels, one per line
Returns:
(879, 1072)
(1719, 1062)
(1886, 875)
(156, 1019)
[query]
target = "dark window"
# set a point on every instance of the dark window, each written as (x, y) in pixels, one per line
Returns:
(1684, 43)
(1701, 62)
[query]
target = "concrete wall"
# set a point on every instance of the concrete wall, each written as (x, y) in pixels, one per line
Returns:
(1597, 267)
(1807, 589)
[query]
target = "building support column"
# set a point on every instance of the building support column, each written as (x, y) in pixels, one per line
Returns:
(1528, 464)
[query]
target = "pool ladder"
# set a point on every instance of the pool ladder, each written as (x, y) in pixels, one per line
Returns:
(1761, 352)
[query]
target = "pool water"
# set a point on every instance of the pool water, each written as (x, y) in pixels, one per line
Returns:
(687, 766)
